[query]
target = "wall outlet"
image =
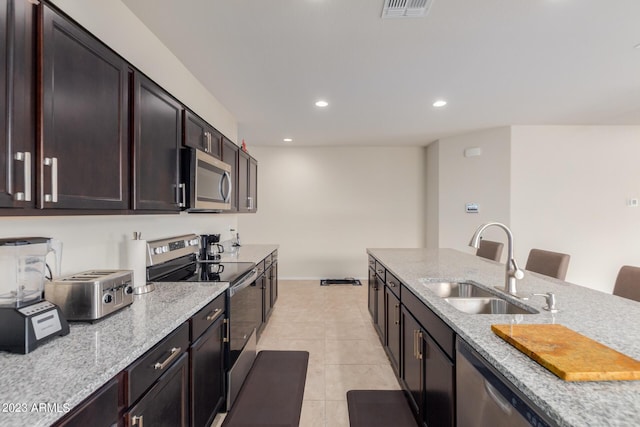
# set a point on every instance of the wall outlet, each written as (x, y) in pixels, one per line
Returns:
(633, 203)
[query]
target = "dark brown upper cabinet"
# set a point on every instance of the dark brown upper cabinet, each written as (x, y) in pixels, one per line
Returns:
(84, 156)
(247, 183)
(199, 134)
(230, 156)
(157, 138)
(17, 104)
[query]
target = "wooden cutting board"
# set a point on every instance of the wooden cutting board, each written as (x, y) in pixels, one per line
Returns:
(568, 354)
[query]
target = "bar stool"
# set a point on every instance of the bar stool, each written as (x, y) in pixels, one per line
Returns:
(490, 250)
(628, 283)
(552, 264)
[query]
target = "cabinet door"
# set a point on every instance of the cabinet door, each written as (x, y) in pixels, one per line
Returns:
(253, 185)
(98, 410)
(274, 283)
(199, 134)
(411, 359)
(230, 156)
(165, 404)
(371, 295)
(392, 315)
(85, 102)
(380, 321)
(266, 295)
(439, 380)
(158, 131)
(207, 375)
(243, 181)
(17, 100)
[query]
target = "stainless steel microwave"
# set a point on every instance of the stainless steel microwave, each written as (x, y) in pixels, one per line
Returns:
(206, 182)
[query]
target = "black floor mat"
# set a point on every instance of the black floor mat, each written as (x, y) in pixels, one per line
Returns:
(379, 408)
(272, 393)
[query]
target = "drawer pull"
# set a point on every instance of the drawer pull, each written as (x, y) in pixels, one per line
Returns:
(137, 420)
(175, 352)
(228, 331)
(214, 314)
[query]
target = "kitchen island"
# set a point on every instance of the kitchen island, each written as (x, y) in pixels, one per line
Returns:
(608, 319)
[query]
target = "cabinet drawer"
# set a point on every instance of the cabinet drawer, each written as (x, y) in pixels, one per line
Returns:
(436, 327)
(380, 271)
(372, 262)
(274, 256)
(393, 284)
(268, 261)
(99, 409)
(147, 369)
(207, 316)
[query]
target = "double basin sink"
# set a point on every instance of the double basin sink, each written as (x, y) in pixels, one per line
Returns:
(470, 298)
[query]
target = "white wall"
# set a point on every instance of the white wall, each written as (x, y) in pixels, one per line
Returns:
(94, 241)
(326, 205)
(483, 180)
(570, 185)
(432, 159)
(113, 23)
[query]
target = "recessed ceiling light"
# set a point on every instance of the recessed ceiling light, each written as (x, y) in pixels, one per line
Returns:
(440, 103)
(288, 140)
(321, 103)
(637, 46)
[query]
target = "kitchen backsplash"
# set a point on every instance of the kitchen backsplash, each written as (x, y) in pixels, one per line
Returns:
(97, 241)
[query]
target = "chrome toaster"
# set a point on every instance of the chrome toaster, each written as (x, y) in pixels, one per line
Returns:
(91, 295)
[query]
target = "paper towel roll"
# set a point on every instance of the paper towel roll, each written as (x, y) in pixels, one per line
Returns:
(136, 260)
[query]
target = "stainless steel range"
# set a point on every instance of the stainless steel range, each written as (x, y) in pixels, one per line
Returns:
(176, 259)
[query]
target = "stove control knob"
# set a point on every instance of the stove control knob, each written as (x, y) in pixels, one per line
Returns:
(165, 249)
(128, 289)
(195, 242)
(107, 298)
(157, 250)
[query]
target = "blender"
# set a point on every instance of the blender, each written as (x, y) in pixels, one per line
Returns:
(26, 319)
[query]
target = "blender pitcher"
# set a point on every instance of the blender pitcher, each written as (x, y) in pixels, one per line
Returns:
(23, 268)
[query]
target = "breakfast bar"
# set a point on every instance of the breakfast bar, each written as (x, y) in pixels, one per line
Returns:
(613, 324)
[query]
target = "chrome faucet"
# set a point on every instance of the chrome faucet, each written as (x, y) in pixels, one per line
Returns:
(512, 272)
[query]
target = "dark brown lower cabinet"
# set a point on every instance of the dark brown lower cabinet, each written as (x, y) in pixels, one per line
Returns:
(101, 409)
(207, 375)
(380, 319)
(166, 403)
(274, 282)
(266, 295)
(392, 310)
(428, 374)
(371, 295)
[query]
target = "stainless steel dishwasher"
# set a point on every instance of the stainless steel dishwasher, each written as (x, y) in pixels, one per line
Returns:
(485, 399)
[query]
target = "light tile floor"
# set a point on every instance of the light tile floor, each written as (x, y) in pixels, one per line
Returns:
(333, 324)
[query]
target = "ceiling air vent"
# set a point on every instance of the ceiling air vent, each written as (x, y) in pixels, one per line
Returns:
(405, 8)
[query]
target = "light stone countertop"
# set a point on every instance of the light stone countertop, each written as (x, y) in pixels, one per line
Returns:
(608, 319)
(247, 253)
(66, 370)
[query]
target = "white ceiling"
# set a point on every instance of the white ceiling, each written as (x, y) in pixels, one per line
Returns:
(496, 62)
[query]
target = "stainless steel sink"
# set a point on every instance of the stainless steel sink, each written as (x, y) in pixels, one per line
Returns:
(492, 305)
(458, 290)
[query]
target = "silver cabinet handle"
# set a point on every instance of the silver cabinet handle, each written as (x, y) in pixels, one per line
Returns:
(415, 344)
(53, 163)
(175, 352)
(214, 314)
(418, 342)
(206, 142)
(137, 420)
(249, 203)
(182, 197)
(26, 194)
(396, 317)
(227, 331)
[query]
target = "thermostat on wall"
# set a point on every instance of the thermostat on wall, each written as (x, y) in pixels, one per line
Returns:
(472, 208)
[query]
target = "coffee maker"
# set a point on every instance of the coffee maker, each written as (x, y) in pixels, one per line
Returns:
(210, 249)
(26, 319)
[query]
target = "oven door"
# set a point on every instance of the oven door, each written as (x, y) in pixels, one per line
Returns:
(206, 181)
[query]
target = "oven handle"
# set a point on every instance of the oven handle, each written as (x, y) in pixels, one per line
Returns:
(246, 281)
